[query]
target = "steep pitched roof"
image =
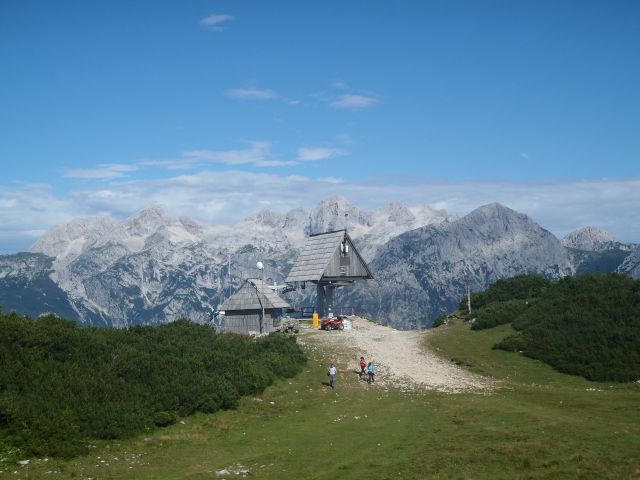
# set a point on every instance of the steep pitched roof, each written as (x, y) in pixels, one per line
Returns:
(315, 256)
(254, 294)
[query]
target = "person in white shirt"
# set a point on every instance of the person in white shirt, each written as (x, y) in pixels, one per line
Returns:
(332, 375)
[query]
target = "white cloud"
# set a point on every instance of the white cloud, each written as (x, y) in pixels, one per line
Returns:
(174, 164)
(340, 85)
(351, 101)
(255, 154)
(253, 94)
(27, 211)
(344, 138)
(228, 196)
(276, 163)
(103, 171)
(332, 180)
(310, 154)
(214, 22)
(260, 94)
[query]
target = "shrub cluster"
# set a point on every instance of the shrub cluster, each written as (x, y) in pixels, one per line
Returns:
(62, 385)
(587, 325)
(498, 313)
(521, 287)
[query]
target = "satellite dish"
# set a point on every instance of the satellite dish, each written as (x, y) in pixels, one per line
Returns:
(260, 265)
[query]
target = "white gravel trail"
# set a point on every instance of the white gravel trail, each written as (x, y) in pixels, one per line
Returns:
(402, 358)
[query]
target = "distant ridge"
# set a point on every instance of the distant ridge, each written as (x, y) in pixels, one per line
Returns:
(590, 238)
(155, 268)
(422, 273)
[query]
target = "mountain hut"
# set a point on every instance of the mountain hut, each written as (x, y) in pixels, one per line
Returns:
(329, 260)
(243, 310)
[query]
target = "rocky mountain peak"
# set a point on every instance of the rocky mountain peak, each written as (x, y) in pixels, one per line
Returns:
(590, 238)
(155, 268)
(631, 264)
(425, 215)
(494, 209)
(146, 221)
(71, 237)
(297, 216)
(190, 225)
(397, 213)
(421, 273)
(336, 213)
(494, 218)
(268, 218)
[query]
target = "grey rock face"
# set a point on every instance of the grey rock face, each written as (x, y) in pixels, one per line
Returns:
(153, 268)
(337, 213)
(631, 264)
(25, 286)
(422, 273)
(594, 250)
(590, 238)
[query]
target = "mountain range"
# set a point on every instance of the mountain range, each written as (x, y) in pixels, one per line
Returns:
(154, 268)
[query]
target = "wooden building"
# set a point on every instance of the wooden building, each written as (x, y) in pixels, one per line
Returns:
(243, 311)
(329, 260)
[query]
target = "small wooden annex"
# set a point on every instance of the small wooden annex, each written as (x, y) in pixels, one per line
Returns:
(329, 260)
(243, 310)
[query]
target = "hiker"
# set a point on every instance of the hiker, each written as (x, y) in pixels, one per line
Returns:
(363, 366)
(332, 375)
(370, 372)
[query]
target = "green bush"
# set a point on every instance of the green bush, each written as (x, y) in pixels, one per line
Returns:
(521, 287)
(164, 419)
(498, 313)
(439, 321)
(62, 385)
(587, 325)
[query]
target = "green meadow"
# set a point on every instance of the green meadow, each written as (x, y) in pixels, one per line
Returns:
(538, 423)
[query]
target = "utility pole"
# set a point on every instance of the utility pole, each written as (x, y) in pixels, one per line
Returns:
(260, 266)
(229, 275)
(468, 288)
(262, 305)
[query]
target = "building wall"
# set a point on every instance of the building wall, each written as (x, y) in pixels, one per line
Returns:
(245, 321)
(342, 265)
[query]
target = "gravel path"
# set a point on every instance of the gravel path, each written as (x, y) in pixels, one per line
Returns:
(401, 358)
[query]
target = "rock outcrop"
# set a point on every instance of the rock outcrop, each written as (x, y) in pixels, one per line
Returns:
(154, 268)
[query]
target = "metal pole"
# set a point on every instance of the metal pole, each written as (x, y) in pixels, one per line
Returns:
(468, 290)
(262, 304)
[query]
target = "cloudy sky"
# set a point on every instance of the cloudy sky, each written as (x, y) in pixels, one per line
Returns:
(217, 109)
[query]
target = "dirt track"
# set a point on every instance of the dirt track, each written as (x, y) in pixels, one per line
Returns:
(401, 358)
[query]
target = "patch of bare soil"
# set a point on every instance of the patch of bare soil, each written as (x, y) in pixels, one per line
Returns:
(402, 358)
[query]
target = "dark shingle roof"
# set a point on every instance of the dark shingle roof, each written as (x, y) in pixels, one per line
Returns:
(246, 298)
(315, 256)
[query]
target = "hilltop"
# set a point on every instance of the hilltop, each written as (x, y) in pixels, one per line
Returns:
(532, 423)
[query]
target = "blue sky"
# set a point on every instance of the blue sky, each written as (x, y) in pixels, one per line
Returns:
(219, 108)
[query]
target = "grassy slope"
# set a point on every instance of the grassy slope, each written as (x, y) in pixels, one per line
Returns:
(540, 424)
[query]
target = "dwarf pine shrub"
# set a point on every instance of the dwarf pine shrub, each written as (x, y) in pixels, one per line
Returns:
(62, 385)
